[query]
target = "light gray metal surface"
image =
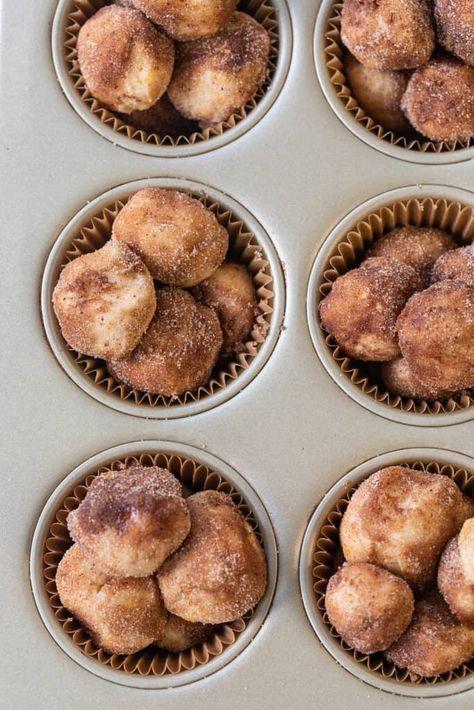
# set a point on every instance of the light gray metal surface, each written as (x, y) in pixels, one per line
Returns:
(292, 433)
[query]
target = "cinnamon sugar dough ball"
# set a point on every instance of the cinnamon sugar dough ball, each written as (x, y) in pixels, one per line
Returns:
(162, 119)
(220, 572)
(126, 63)
(179, 635)
(104, 301)
(456, 589)
(466, 549)
(230, 291)
(131, 520)
(401, 519)
(361, 309)
(216, 76)
(179, 239)
(185, 20)
(179, 350)
(455, 25)
(122, 615)
(436, 335)
(369, 607)
(439, 100)
(419, 247)
(456, 264)
(379, 93)
(388, 34)
(434, 643)
(399, 378)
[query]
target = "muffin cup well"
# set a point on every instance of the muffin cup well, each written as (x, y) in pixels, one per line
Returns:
(447, 208)
(321, 555)
(249, 244)
(68, 20)
(152, 667)
(329, 58)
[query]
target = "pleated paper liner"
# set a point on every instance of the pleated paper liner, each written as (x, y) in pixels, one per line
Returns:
(455, 218)
(243, 248)
(334, 52)
(152, 660)
(262, 10)
(328, 557)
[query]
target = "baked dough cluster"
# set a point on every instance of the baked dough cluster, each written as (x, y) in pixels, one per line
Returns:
(396, 75)
(127, 302)
(401, 534)
(149, 566)
(169, 65)
(409, 307)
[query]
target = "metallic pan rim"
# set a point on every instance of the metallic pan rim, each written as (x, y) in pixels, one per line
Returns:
(36, 567)
(67, 85)
(345, 116)
(317, 336)
(55, 339)
(350, 479)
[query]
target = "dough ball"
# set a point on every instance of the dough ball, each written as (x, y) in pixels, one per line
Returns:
(163, 119)
(220, 572)
(179, 349)
(379, 93)
(455, 25)
(230, 291)
(216, 76)
(388, 34)
(436, 335)
(457, 591)
(180, 241)
(362, 307)
(401, 519)
(399, 378)
(126, 63)
(439, 100)
(466, 549)
(369, 607)
(104, 301)
(456, 264)
(435, 642)
(185, 20)
(131, 520)
(179, 635)
(122, 615)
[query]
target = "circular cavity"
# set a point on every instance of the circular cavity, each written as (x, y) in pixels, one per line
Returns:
(65, 356)
(66, 487)
(436, 155)
(318, 337)
(306, 564)
(230, 131)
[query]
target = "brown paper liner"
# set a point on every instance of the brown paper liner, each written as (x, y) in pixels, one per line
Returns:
(455, 218)
(327, 557)
(152, 660)
(334, 51)
(262, 10)
(243, 247)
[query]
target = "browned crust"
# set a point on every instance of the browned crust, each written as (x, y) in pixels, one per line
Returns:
(185, 20)
(457, 591)
(455, 26)
(456, 264)
(179, 634)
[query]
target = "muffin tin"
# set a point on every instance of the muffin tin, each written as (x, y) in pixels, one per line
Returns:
(291, 433)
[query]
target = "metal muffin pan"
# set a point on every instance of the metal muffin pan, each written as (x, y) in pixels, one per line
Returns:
(292, 433)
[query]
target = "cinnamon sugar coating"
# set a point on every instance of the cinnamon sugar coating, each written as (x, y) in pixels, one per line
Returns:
(455, 26)
(220, 572)
(185, 20)
(126, 63)
(399, 379)
(456, 589)
(179, 635)
(456, 264)
(466, 549)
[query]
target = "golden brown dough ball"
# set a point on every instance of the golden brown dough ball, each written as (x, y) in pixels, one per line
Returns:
(216, 76)
(163, 119)
(466, 549)
(379, 93)
(104, 301)
(230, 291)
(455, 25)
(121, 615)
(131, 520)
(220, 572)
(439, 100)
(369, 607)
(362, 307)
(388, 34)
(184, 20)
(180, 241)
(399, 378)
(435, 642)
(456, 264)
(457, 591)
(419, 247)
(126, 63)
(436, 335)
(179, 635)
(401, 519)
(179, 350)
